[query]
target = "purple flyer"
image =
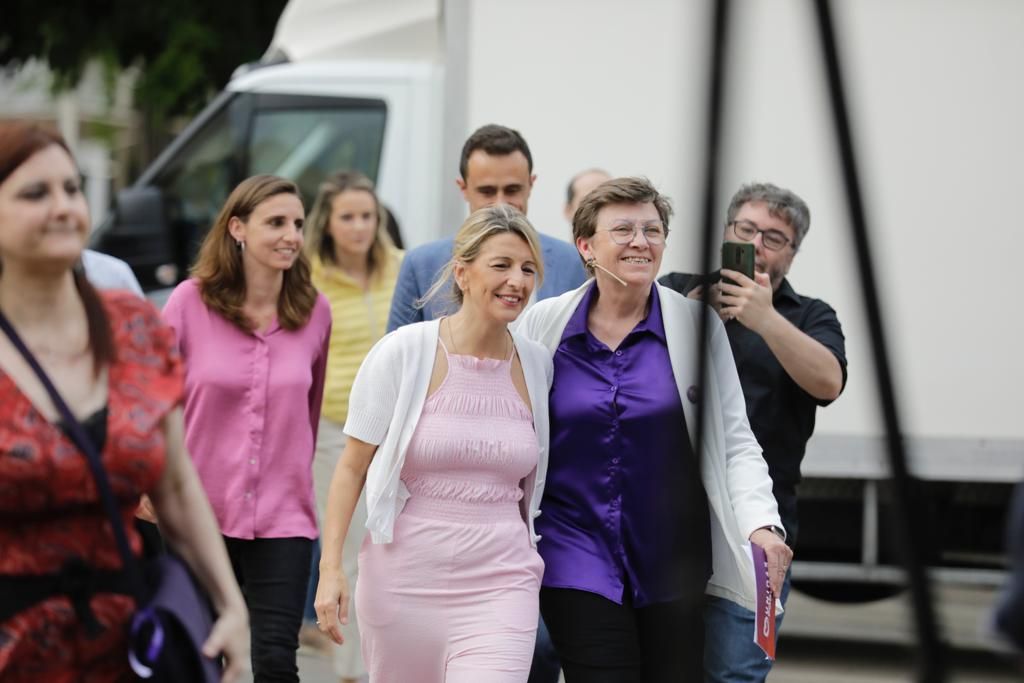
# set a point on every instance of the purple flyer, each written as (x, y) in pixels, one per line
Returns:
(764, 615)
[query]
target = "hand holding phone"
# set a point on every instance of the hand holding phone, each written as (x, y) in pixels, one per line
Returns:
(738, 256)
(751, 302)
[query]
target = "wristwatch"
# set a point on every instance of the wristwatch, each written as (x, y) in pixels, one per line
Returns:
(777, 530)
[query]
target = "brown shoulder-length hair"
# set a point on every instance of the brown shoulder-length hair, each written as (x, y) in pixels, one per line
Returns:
(218, 268)
(19, 141)
(319, 241)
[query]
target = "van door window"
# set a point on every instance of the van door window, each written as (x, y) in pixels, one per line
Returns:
(308, 144)
(197, 181)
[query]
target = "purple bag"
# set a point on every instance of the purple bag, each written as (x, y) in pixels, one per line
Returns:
(167, 635)
(173, 618)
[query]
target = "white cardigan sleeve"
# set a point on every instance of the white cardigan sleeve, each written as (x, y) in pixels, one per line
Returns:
(747, 478)
(375, 392)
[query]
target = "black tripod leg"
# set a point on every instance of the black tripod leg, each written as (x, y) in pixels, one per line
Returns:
(909, 526)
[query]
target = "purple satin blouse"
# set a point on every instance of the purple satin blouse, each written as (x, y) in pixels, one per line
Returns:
(624, 513)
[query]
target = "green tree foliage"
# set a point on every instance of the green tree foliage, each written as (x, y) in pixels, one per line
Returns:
(186, 49)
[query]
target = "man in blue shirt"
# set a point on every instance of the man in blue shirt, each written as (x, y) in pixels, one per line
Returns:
(496, 168)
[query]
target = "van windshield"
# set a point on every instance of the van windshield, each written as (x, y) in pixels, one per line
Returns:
(306, 145)
(300, 137)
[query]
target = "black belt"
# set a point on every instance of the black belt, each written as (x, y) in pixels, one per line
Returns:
(77, 580)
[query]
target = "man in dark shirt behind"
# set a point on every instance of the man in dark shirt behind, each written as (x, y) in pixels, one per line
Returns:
(791, 358)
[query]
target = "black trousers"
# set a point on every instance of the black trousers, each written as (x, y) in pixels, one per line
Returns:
(152, 542)
(600, 641)
(273, 574)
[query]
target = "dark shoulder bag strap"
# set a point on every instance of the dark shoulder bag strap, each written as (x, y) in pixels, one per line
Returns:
(132, 570)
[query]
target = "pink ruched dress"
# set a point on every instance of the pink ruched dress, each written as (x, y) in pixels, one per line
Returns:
(454, 597)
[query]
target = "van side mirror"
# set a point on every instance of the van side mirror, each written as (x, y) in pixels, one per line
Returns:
(138, 234)
(140, 211)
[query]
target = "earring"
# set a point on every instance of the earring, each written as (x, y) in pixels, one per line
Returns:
(590, 263)
(241, 245)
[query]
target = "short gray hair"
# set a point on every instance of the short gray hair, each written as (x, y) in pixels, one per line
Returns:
(782, 203)
(631, 190)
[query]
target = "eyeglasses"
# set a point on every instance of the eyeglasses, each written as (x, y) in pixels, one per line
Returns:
(624, 233)
(771, 238)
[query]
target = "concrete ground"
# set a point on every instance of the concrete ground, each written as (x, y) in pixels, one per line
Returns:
(825, 642)
(815, 661)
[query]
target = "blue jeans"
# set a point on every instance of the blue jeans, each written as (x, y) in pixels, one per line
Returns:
(309, 611)
(545, 667)
(730, 653)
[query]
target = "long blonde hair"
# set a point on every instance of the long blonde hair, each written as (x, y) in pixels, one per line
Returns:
(320, 243)
(482, 225)
(219, 270)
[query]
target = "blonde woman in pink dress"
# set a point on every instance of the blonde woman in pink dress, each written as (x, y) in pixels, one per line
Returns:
(447, 427)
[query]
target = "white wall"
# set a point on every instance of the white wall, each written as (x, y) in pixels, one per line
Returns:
(937, 97)
(598, 83)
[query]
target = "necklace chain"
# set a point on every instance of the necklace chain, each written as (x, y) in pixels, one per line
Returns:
(455, 347)
(44, 350)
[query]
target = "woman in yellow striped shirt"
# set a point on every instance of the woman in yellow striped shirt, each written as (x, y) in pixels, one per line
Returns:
(355, 265)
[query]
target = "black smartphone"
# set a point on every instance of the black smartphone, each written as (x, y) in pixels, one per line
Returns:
(738, 256)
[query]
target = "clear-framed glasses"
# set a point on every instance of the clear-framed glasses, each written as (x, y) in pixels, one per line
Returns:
(623, 233)
(771, 238)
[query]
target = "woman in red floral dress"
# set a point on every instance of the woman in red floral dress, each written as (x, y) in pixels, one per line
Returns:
(114, 363)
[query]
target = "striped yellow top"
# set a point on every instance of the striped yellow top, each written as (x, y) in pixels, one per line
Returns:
(359, 319)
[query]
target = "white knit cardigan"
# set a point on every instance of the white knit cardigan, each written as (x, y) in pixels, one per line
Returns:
(733, 470)
(385, 405)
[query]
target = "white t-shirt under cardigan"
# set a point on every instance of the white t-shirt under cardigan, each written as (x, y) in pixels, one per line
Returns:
(385, 405)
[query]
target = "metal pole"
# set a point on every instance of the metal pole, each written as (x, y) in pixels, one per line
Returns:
(931, 653)
(716, 82)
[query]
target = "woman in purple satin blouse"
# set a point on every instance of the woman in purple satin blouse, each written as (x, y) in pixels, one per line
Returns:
(631, 515)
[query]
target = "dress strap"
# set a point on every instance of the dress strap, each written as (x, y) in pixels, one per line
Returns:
(441, 341)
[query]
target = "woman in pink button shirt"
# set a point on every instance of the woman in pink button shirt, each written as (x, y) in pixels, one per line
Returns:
(253, 332)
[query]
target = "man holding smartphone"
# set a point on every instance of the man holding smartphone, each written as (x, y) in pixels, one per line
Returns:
(791, 357)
